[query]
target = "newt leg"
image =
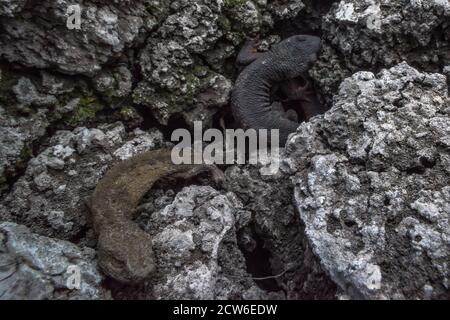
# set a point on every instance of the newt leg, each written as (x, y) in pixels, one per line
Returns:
(216, 174)
(311, 106)
(249, 52)
(302, 91)
(277, 106)
(292, 115)
(295, 89)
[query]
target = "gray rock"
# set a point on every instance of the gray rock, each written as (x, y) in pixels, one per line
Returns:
(16, 137)
(58, 84)
(284, 10)
(174, 40)
(370, 176)
(375, 34)
(106, 30)
(50, 197)
(273, 229)
(194, 24)
(389, 32)
(372, 184)
(9, 7)
(176, 83)
(142, 141)
(32, 105)
(244, 15)
(114, 83)
(195, 243)
(27, 94)
(446, 71)
(33, 267)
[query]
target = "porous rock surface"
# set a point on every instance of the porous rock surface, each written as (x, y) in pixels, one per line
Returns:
(36, 267)
(106, 30)
(195, 241)
(273, 228)
(33, 106)
(16, 135)
(179, 63)
(372, 185)
(376, 34)
(171, 56)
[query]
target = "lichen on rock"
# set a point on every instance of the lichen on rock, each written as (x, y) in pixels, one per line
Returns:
(372, 181)
(375, 34)
(33, 267)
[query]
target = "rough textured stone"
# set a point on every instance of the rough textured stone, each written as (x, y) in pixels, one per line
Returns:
(273, 231)
(177, 81)
(30, 107)
(50, 197)
(194, 238)
(195, 235)
(9, 7)
(372, 184)
(36, 267)
(284, 10)
(406, 28)
(375, 34)
(16, 137)
(106, 30)
(181, 45)
(114, 83)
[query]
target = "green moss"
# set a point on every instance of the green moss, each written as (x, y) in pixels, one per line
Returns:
(224, 23)
(128, 113)
(229, 4)
(192, 83)
(86, 111)
(200, 71)
(195, 78)
(173, 104)
(26, 153)
(156, 8)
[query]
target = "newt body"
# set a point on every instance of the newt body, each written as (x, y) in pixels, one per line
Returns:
(124, 250)
(251, 100)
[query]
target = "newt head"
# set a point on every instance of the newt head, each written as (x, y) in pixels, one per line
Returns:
(298, 54)
(125, 252)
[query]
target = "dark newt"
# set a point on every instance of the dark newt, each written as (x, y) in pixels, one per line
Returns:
(124, 250)
(300, 91)
(251, 101)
